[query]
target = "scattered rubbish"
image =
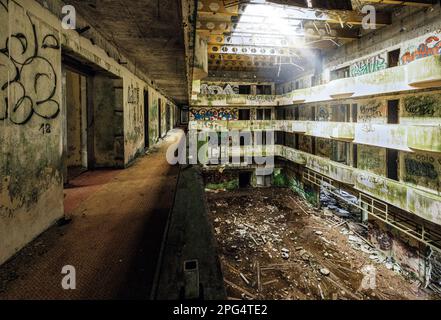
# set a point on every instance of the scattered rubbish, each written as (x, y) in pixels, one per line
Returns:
(325, 271)
(244, 279)
(255, 230)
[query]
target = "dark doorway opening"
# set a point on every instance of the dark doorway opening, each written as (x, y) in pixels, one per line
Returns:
(394, 58)
(244, 89)
(296, 113)
(355, 155)
(244, 179)
(354, 112)
(77, 141)
(244, 114)
(159, 119)
(393, 110)
(146, 119)
(392, 164)
(167, 117)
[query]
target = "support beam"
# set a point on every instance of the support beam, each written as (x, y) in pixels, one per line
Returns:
(412, 3)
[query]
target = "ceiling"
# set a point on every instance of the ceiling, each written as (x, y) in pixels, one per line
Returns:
(149, 33)
(276, 39)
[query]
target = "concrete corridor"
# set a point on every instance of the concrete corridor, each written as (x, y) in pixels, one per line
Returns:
(113, 240)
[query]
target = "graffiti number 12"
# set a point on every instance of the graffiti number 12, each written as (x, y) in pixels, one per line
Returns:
(45, 128)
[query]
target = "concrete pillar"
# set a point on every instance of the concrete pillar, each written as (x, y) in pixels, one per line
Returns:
(364, 212)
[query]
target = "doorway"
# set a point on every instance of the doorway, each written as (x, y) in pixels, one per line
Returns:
(159, 119)
(244, 114)
(244, 180)
(77, 143)
(167, 117)
(393, 58)
(146, 119)
(392, 164)
(393, 110)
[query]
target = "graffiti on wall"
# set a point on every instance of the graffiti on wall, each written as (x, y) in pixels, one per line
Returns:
(261, 98)
(371, 159)
(28, 80)
(214, 114)
(423, 170)
(133, 94)
(369, 112)
(421, 106)
(226, 89)
(323, 147)
(323, 113)
(429, 47)
(369, 65)
(305, 143)
(420, 168)
(375, 185)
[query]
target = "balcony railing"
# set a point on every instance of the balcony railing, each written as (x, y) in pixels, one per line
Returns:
(409, 198)
(407, 138)
(422, 73)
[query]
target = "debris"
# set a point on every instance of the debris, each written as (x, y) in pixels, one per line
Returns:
(325, 271)
(321, 292)
(270, 282)
(259, 284)
(254, 235)
(244, 278)
(231, 284)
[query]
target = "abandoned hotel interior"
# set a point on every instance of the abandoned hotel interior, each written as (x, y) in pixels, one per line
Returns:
(220, 150)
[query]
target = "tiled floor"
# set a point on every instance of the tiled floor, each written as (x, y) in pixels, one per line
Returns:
(113, 241)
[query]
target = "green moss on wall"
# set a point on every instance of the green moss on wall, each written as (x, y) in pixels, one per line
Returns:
(280, 179)
(227, 185)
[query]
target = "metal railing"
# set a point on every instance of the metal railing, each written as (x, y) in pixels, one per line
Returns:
(380, 211)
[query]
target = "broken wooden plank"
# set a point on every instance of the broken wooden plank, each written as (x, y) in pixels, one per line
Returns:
(244, 279)
(342, 288)
(298, 205)
(270, 282)
(259, 284)
(231, 284)
(252, 238)
(321, 292)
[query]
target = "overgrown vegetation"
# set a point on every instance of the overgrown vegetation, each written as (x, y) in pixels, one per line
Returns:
(305, 192)
(227, 185)
(280, 179)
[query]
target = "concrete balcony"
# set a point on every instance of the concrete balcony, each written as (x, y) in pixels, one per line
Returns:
(331, 130)
(420, 74)
(212, 100)
(425, 74)
(424, 138)
(408, 138)
(419, 202)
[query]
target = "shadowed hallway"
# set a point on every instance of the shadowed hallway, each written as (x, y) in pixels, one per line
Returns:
(113, 240)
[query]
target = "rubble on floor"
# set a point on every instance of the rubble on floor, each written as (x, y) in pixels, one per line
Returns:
(273, 245)
(341, 205)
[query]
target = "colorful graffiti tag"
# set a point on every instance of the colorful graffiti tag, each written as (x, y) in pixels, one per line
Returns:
(369, 65)
(214, 114)
(430, 47)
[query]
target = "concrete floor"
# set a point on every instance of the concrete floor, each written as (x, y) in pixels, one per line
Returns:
(113, 240)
